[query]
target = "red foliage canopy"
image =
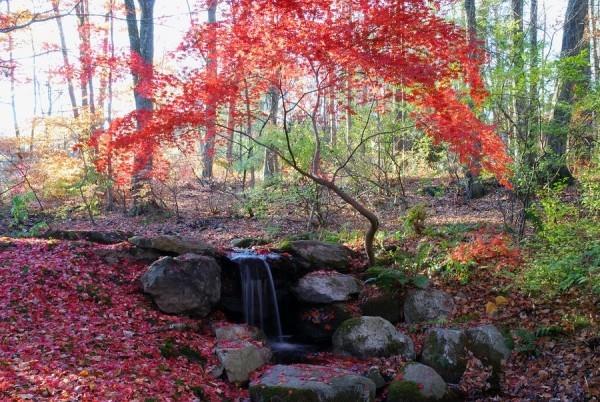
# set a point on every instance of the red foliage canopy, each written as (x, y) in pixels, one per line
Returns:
(315, 46)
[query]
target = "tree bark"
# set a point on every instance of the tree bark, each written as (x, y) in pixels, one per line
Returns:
(141, 42)
(65, 55)
(270, 165)
(574, 42)
(12, 68)
(211, 107)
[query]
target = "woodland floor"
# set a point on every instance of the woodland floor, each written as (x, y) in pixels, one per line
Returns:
(75, 328)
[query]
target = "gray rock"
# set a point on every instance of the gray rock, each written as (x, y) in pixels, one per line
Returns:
(316, 255)
(431, 386)
(246, 242)
(311, 383)
(427, 305)
(324, 287)
(445, 351)
(186, 284)
(374, 374)
(94, 236)
(240, 358)
(172, 245)
(488, 345)
(234, 332)
(366, 337)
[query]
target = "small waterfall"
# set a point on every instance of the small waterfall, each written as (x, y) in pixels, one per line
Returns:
(259, 296)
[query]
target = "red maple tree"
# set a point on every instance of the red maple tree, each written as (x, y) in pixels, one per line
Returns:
(305, 50)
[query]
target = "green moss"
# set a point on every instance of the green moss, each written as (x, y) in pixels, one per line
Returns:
(285, 245)
(405, 391)
(263, 393)
(393, 347)
(348, 325)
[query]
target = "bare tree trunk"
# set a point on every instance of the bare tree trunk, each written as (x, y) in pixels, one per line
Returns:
(36, 90)
(12, 67)
(333, 118)
(211, 108)
(519, 91)
(270, 165)
(84, 49)
(65, 56)
(573, 43)
(348, 112)
(230, 132)
(141, 42)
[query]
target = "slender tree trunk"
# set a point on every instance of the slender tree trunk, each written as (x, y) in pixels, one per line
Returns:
(573, 43)
(230, 132)
(333, 118)
(36, 90)
(65, 55)
(518, 59)
(12, 67)
(211, 108)
(84, 51)
(141, 42)
(270, 165)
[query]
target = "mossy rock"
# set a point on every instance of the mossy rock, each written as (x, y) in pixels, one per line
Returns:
(304, 382)
(445, 351)
(263, 393)
(418, 382)
(367, 337)
(405, 391)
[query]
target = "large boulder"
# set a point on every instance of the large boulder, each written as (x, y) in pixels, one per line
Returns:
(377, 302)
(427, 305)
(186, 284)
(311, 383)
(318, 323)
(489, 345)
(445, 351)
(417, 382)
(366, 337)
(240, 358)
(172, 245)
(316, 255)
(323, 287)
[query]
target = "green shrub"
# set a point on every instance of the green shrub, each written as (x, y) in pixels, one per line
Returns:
(415, 219)
(566, 249)
(393, 279)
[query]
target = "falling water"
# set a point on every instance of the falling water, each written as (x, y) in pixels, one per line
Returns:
(259, 295)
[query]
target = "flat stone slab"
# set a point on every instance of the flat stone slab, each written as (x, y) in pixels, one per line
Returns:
(319, 255)
(94, 236)
(172, 245)
(311, 383)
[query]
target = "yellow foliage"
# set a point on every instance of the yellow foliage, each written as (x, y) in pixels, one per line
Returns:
(501, 301)
(55, 173)
(491, 309)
